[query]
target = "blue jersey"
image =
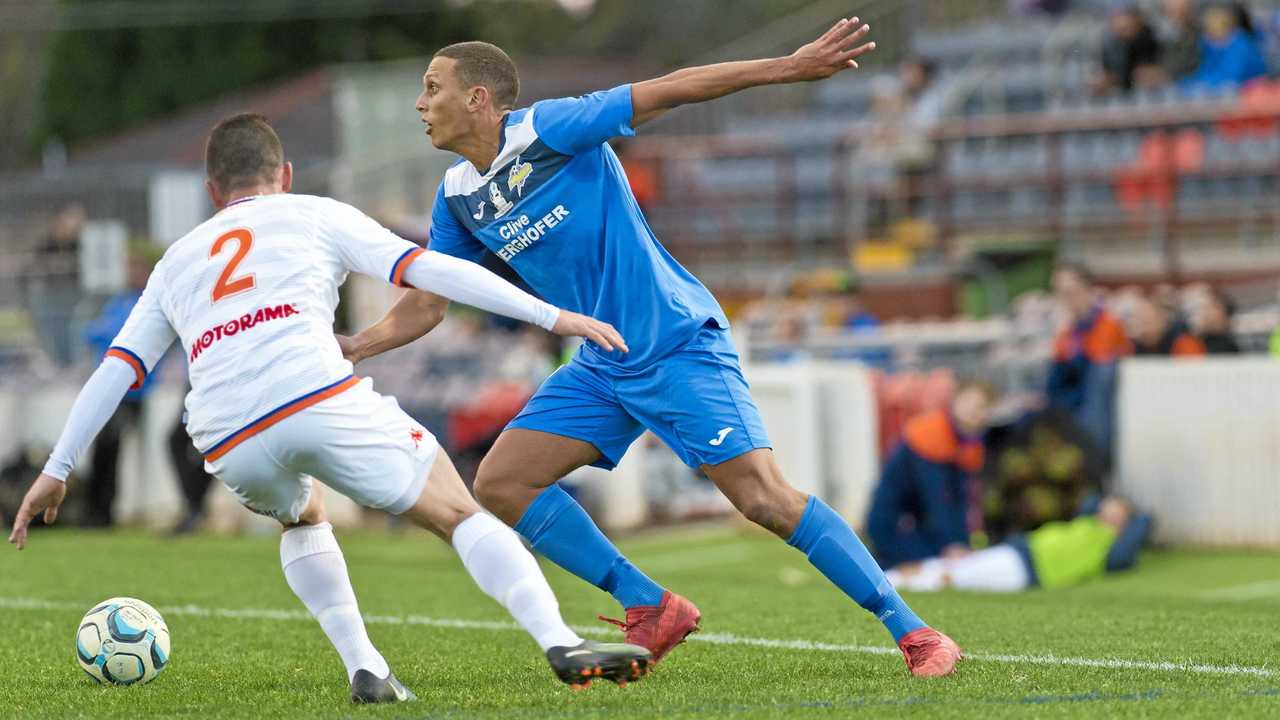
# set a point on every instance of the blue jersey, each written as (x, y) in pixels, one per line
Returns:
(556, 206)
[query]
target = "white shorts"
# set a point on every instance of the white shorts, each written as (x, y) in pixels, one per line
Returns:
(998, 568)
(357, 442)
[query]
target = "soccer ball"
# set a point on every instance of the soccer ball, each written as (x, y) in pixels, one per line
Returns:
(122, 641)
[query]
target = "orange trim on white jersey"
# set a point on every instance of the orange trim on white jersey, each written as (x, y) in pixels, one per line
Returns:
(397, 270)
(292, 407)
(134, 361)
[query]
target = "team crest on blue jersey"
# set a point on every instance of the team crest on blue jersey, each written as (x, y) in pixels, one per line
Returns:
(501, 206)
(518, 175)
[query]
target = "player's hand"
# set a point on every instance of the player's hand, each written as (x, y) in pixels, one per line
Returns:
(955, 551)
(838, 49)
(45, 496)
(571, 324)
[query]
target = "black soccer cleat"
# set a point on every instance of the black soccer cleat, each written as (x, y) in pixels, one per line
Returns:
(617, 662)
(367, 689)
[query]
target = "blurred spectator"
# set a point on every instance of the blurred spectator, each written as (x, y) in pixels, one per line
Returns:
(1180, 39)
(899, 147)
(1213, 324)
(106, 448)
(921, 506)
(922, 94)
(1130, 53)
(846, 310)
(53, 283)
(194, 482)
(1091, 338)
(838, 299)
(1083, 373)
(1102, 539)
(1167, 296)
(790, 334)
(1157, 333)
(1230, 55)
(641, 173)
(852, 314)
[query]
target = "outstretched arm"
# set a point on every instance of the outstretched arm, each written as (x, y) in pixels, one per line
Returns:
(837, 49)
(414, 315)
(440, 278)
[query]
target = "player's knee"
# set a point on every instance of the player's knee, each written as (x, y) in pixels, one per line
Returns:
(492, 486)
(768, 500)
(762, 510)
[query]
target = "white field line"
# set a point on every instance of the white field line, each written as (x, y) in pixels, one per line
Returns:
(1249, 591)
(1181, 667)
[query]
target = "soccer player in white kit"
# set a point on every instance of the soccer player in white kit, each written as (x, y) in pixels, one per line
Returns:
(250, 294)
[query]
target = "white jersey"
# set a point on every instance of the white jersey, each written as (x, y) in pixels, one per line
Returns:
(251, 294)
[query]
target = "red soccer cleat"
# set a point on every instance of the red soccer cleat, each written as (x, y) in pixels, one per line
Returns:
(661, 628)
(929, 653)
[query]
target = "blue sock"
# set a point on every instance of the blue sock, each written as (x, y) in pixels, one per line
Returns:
(836, 551)
(557, 526)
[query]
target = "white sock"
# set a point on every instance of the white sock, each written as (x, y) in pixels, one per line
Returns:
(506, 572)
(317, 573)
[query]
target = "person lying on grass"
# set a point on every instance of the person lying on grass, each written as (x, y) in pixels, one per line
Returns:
(1105, 537)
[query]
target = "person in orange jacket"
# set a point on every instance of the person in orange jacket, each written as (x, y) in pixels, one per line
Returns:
(1091, 339)
(1156, 333)
(1086, 349)
(920, 508)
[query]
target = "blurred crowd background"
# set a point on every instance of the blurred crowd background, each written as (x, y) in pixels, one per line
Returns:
(1011, 196)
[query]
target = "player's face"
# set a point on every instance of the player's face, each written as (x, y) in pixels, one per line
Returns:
(442, 105)
(1073, 293)
(1114, 512)
(1151, 321)
(972, 409)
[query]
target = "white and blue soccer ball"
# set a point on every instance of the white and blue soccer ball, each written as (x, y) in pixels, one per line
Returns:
(122, 641)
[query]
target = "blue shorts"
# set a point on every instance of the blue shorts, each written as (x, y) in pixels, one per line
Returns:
(695, 399)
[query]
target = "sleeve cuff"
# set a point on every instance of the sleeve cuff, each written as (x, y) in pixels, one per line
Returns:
(56, 470)
(401, 264)
(135, 362)
(548, 316)
(625, 127)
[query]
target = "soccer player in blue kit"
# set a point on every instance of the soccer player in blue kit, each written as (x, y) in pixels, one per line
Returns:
(541, 189)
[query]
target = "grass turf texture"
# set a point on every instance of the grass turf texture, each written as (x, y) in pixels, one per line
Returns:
(745, 583)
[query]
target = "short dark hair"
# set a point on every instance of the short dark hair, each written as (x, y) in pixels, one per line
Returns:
(482, 63)
(242, 151)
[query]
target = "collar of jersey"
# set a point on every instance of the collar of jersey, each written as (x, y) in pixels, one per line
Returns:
(241, 200)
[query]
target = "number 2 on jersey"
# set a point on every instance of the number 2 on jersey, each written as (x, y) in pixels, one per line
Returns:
(226, 285)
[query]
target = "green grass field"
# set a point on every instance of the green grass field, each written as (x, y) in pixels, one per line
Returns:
(1170, 643)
